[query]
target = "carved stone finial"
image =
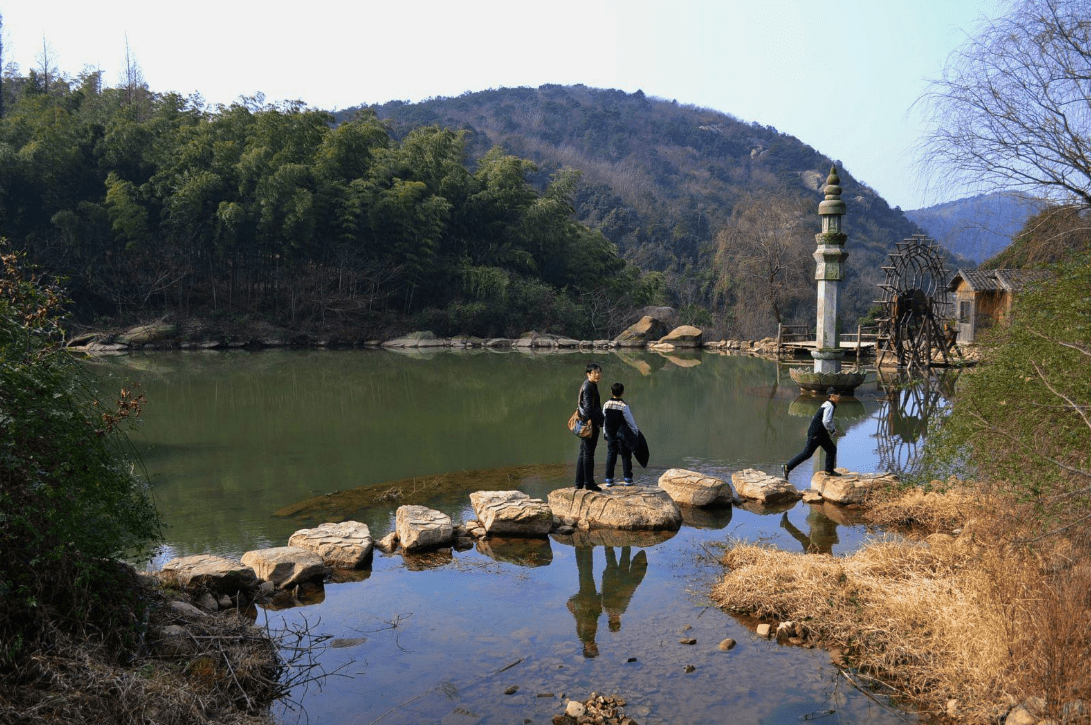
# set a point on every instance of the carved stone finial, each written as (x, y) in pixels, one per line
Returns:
(832, 189)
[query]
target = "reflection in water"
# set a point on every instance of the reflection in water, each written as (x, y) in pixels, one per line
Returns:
(905, 412)
(528, 552)
(620, 579)
(823, 532)
(586, 604)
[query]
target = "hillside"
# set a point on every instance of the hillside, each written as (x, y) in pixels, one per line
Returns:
(660, 179)
(1055, 235)
(979, 227)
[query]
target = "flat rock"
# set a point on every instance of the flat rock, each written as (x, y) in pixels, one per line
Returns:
(345, 545)
(512, 513)
(695, 489)
(632, 508)
(420, 527)
(286, 566)
(850, 487)
(204, 571)
(756, 485)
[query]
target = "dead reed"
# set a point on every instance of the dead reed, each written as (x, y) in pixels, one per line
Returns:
(950, 610)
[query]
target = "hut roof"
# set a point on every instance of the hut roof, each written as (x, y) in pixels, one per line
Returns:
(996, 280)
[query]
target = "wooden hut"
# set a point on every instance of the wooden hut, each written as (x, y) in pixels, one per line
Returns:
(983, 297)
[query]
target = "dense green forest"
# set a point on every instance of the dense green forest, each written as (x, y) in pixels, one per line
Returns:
(156, 204)
(560, 209)
(677, 188)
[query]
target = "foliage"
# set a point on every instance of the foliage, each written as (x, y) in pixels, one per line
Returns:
(71, 500)
(1021, 421)
(1011, 111)
(274, 210)
(661, 180)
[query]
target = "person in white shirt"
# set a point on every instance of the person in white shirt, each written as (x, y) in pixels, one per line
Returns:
(819, 434)
(620, 431)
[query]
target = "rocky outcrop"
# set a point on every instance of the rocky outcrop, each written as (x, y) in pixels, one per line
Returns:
(690, 488)
(683, 336)
(144, 334)
(850, 487)
(207, 572)
(630, 508)
(346, 545)
(646, 330)
(420, 527)
(512, 513)
(754, 485)
(286, 566)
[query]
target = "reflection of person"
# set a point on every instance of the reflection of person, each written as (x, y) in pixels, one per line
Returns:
(586, 604)
(823, 532)
(619, 582)
(620, 431)
(820, 433)
(590, 409)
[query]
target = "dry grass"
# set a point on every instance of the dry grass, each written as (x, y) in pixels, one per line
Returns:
(950, 611)
(223, 671)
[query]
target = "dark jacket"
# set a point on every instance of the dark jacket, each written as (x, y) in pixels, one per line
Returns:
(590, 407)
(818, 425)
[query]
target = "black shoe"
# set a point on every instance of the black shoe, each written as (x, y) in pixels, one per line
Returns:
(784, 469)
(832, 473)
(593, 487)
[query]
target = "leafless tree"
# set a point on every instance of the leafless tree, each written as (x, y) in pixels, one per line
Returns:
(763, 263)
(1013, 108)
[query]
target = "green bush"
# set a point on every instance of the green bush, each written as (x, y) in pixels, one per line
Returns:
(1021, 420)
(72, 499)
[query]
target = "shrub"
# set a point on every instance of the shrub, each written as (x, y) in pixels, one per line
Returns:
(72, 498)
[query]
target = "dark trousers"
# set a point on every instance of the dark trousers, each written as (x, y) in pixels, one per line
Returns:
(615, 446)
(822, 440)
(585, 464)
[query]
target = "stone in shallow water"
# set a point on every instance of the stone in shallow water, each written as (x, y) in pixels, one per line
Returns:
(286, 566)
(691, 488)
(632, 508)
(420, 527)
(204, 571)
(850, 487)
(512, 513)
(344, 545)
(756, 485)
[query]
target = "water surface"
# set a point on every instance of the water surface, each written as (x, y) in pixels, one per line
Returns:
(236, 442)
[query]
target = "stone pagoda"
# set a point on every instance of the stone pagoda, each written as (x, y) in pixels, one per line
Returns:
(830, 258)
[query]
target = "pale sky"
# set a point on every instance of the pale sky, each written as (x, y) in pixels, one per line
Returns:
(840, 76)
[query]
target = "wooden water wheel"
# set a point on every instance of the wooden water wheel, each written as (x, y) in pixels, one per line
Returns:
(913, 305)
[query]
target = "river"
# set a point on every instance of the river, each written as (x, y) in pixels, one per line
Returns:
(235, 441)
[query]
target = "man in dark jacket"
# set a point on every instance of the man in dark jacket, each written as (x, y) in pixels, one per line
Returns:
(819, 434)
(590, 409)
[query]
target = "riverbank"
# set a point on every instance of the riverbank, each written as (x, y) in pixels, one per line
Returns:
(168, 662)
(953, 618)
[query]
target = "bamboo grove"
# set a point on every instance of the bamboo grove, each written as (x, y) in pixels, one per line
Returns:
(156, 204)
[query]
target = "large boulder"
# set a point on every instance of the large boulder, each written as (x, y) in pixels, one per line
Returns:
(647, 329)
(423, 338)
(420, 527)
(695, 489)
(755, 485)
(144, 334)
(683, 336)
(286, 566)
(204, 571)
(512, 513)
(849, 487)
(346, 545)
(630, 508)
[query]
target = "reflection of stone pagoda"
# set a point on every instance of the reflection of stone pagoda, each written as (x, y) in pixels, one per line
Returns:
(830, 257)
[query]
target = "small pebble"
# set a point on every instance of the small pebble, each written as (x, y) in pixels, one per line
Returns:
(687, 640)
(727, 644)
(688, 668)
(512, 690)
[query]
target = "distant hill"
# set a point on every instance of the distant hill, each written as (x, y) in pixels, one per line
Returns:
(978, 227)
(1056, 234)
(660, 178)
